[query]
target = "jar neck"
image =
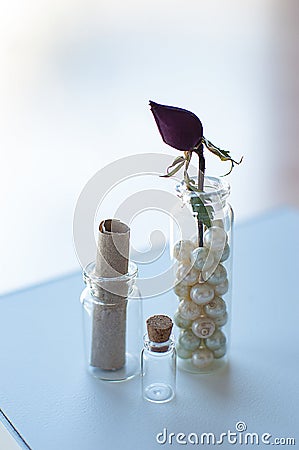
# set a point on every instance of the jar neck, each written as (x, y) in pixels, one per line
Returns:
(121, 285)
(215, 192)
(158, 347)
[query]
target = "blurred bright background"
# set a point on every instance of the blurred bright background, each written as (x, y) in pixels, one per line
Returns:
(75, 80)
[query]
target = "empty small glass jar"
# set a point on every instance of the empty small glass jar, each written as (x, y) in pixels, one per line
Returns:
(158, 370)
(112, 324)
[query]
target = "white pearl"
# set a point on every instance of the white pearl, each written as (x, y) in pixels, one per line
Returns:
(202, 358)
(201, 258)
(221, 288)
(182, 250)
(221, 255)
(221, 320)
(187, 274)
(218, 276)
(220, 352)
(202, 293)
(216, 341)
(182, 352)
(215, 307)
(182, 290)
(203, 327)
(180, 321)
(215, 238)
(226, 253)
(188, 340)
(218, 223)
(189, 310)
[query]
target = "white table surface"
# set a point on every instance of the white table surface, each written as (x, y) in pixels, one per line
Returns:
(55, 405)
(7, 438)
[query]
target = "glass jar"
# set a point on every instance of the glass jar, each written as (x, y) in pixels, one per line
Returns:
(158, 370)
(203, 264)
(112, 324)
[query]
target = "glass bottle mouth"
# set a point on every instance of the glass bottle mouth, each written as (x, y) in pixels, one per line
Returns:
(120, 286)
(158, 347)
(216, 191)
(89, 272)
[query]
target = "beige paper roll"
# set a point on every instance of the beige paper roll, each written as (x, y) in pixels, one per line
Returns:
(113, 249)
(108, 346)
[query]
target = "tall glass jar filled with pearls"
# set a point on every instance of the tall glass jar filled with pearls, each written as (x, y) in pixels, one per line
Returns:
(203, 267)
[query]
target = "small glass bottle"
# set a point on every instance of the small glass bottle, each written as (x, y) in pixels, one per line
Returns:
(158, 361)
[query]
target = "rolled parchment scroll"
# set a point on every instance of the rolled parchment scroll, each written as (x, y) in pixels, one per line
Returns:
(108, 345)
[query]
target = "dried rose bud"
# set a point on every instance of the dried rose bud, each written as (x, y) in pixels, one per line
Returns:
(178, 127)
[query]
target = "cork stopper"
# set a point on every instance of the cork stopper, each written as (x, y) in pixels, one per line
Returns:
(159, 328)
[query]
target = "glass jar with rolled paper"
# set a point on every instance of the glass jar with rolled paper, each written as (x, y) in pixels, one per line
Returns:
(112, 307)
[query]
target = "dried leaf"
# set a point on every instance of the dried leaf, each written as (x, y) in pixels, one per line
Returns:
(173, 171)
(224, 155)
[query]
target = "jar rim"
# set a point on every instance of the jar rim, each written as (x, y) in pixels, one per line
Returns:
(215, 186)
(89, 272)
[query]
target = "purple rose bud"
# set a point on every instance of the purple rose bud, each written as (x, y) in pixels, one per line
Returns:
(178, 127)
